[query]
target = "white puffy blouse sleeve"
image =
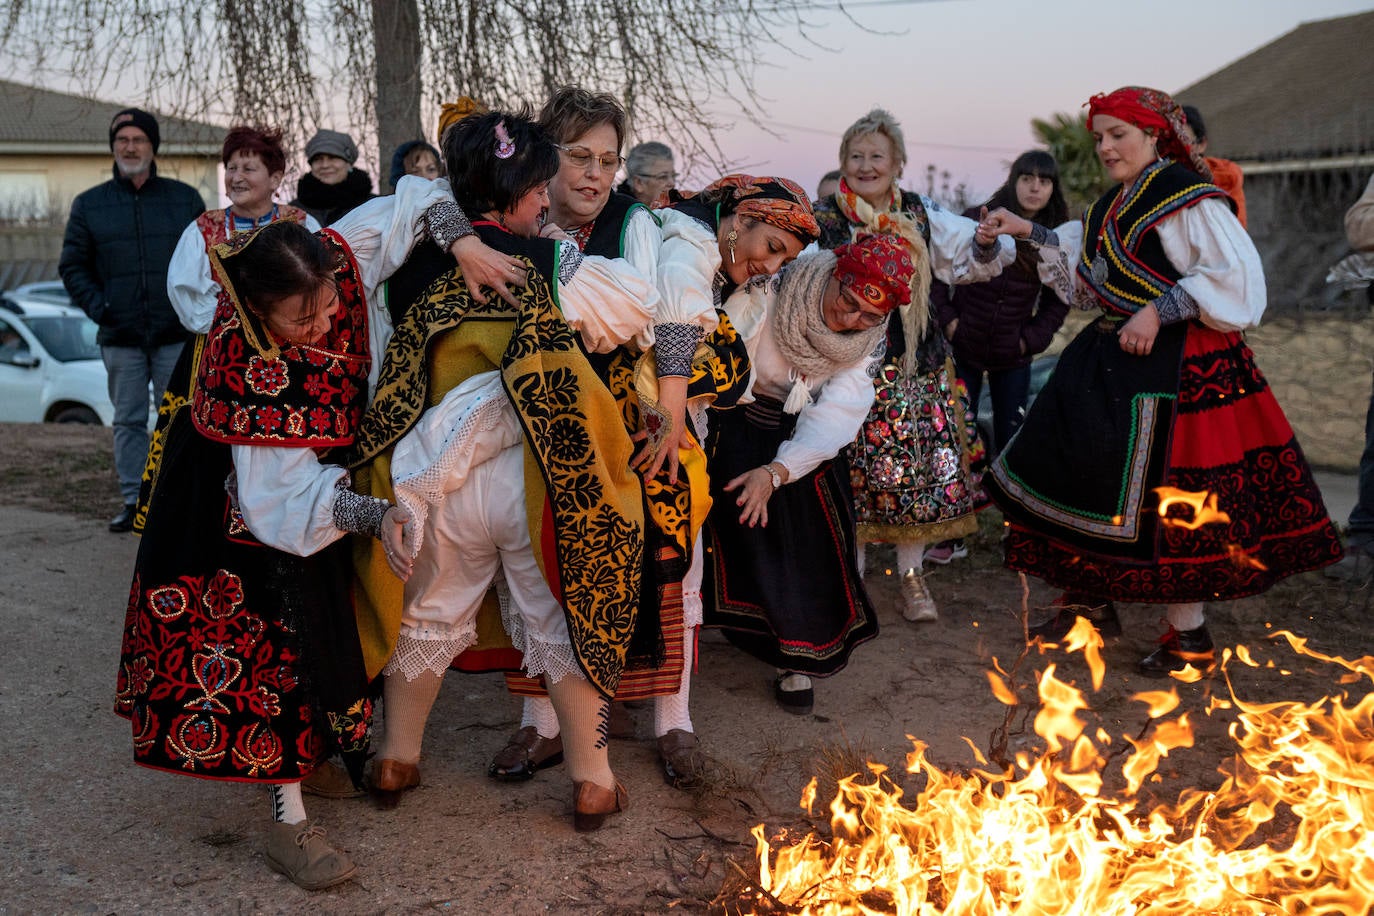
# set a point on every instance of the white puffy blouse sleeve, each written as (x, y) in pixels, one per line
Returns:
(193, 293)
(688, 259)
(381, 234)
(955, 256)
(287, 497)
(607, 300)
(830, 422)
(1220, 267)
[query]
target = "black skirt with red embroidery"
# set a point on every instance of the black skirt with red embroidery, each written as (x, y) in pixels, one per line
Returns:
(239, 662)
(788, 593)
(1081, 483)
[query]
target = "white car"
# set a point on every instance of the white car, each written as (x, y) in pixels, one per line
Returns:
(50, 366)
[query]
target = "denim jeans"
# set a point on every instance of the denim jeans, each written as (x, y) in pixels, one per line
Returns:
(1361, 525)
(1008, 389)
(131, 370)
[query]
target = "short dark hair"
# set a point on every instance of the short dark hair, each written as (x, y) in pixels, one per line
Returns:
(284, 259)
(484, 181)
(570, 112)
(1194, 118)
(263, 142)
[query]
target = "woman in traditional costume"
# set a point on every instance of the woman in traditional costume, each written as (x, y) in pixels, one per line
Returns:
(1155, 406)
(241, 659)
(491, 421)
(910, 464)
(785, 584)
(696, 358)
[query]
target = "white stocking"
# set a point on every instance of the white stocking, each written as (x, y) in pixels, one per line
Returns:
(288, 806)
(1185, 616)
(909, 556)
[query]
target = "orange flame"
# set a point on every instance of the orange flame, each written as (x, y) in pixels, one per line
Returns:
(1288, 831)
(1204, 506)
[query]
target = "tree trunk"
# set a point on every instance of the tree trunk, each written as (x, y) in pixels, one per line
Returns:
(396, 42)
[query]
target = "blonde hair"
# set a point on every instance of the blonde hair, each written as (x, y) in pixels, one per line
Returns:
(877, 121)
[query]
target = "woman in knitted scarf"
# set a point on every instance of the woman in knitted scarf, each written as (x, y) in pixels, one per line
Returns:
(782, 573)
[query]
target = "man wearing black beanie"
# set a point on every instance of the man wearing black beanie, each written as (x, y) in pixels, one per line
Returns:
(119, 240)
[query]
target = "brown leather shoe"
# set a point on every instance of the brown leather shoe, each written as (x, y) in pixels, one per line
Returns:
(526, 754)
(684, 765)
(592, 803)
(390, 778)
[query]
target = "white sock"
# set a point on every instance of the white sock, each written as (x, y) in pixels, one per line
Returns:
(909, 556)
(672, 711)
(584, 715)
(406, 704)
(288, 806)
(539, 712)
(861, 557)
(1185, 616)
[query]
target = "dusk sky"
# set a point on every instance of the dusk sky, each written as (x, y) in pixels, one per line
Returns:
(965, 77)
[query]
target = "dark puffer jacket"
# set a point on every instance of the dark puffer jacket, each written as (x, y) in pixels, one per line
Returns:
(329, 202)
(998, 315)
(118, 243)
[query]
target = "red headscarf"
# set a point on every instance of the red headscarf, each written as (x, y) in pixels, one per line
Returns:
(1155, 111)
(776, 201)
(878, 268)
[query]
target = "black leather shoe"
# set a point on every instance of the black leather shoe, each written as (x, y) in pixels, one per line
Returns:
(1178, 649)
(527, 753)
(124, 521)
(1100, 613)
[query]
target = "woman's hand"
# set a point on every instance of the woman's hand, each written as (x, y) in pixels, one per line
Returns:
(672, 397)
(756, 488)
(397, 542)
(1000, 222)
(554, 231)
(485, 267)
(1137, 335)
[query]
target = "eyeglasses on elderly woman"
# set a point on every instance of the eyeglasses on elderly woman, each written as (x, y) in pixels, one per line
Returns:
(583, 158)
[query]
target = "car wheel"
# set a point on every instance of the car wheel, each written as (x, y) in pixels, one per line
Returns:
(76, 414)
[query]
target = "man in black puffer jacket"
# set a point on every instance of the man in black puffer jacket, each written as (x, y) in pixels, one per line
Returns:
(119, 239)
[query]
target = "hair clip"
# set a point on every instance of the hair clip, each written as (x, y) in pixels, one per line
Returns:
(505, 146)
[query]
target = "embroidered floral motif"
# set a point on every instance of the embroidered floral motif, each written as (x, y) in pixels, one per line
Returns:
(267, 376)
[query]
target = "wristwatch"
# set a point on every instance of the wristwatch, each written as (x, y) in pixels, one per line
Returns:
(773, 473)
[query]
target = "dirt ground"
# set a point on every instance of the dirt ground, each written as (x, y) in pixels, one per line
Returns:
(89, 832)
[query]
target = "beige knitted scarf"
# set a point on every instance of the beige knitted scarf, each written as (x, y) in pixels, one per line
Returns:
(814, 352)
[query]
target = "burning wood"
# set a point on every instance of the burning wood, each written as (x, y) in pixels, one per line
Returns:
(1042, 837)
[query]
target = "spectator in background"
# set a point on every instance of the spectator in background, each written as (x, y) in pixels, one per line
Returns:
(830, 183)
(649, 173)
(119, 239)
(1225, 173)
(415, 157)
(998, 326)
(333, 186)
(1358, 563)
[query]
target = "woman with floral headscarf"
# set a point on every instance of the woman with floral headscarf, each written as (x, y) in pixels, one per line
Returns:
(1155, 466)
(784, 580)
(911, 461)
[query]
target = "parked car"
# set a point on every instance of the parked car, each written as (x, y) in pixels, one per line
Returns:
(50, 365)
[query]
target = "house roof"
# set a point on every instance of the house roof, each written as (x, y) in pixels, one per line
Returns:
(1307, 94)
(34, 120)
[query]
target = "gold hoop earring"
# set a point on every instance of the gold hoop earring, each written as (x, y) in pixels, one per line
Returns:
(732, 238)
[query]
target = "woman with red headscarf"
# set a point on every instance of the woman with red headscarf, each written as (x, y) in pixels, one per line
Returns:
(1157, 396)
(783, 572)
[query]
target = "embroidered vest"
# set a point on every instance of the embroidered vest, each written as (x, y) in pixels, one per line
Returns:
(284, 394)
(1123, 261)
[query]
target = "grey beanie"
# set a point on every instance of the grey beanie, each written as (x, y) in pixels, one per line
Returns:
(332, 143)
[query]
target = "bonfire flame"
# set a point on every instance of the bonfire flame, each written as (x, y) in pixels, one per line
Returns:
(1287, 832)
(1204, 506)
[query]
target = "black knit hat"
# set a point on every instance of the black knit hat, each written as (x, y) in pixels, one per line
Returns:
(136, 117)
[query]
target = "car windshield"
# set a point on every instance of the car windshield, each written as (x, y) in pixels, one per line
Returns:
(66, 337)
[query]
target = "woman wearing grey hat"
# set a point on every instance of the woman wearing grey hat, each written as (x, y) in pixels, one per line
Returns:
(333, 186)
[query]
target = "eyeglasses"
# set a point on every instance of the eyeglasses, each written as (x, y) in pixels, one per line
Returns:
(661, 176)
(583, 158)
(854, 311)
